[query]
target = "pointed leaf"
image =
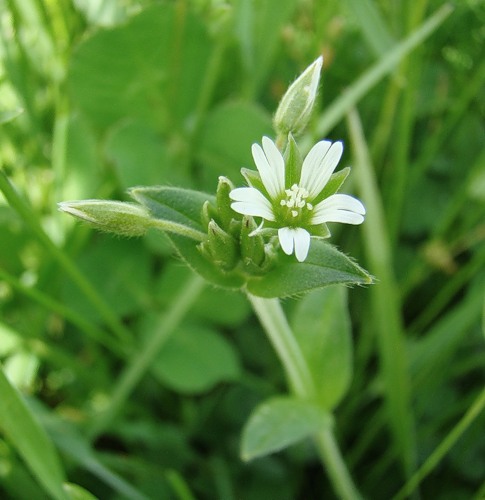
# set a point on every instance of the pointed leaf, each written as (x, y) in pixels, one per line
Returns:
(325, 265)
(196, 359)
(279, 423)
(321, 325)
(179, 205)
(150, 68)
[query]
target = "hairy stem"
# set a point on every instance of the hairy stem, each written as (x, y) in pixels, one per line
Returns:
(273, 319)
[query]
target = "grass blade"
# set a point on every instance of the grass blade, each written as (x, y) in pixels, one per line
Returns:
(30, 440)
(337, 110)
(385, 302)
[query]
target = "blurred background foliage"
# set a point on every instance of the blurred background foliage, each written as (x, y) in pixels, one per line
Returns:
(100, 95)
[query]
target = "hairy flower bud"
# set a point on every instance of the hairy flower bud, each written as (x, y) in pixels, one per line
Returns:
(125, 219)
(296, 106)
(220, 247)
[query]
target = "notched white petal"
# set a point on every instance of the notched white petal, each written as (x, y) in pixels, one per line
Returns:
(339, 208)
(319, 165)
(285, 235)
(297, 239)
(269, 173)
(253, 209)
(302, 243)
(276, 162)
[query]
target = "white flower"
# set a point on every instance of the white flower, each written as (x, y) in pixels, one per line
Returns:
(294, 208)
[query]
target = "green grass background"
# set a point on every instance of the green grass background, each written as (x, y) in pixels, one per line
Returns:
(97, 96)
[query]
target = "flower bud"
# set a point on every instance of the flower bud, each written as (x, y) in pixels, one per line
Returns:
(208, 212)
(252, 243)
(224, 210)
(220, 247)
(296, 106)
(125, 219)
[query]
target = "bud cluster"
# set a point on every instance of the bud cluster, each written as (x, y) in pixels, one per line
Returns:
(233, 242)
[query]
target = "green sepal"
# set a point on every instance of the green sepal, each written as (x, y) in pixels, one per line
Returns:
(252, 247)
(325, 265)
(333, 185)
(207, 213)
(221, 248)
(321, 231)
(293, 162)
(253, 178)
(224, 210)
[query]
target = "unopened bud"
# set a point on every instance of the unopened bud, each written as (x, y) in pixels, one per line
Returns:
(224, 210)
(125, 219)
(252, 243)
(220, 247)
(296, 106)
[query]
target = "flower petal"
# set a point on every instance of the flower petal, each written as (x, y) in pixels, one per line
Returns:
(297, 239)
(271, 166)
(319, 165)
(285, 235)
(302, 243)
(339, 208)
(250, 201)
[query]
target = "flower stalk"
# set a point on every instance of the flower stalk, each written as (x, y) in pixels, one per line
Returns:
(275, 324)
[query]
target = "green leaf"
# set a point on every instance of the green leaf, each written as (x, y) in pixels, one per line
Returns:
(214, 305)
(321, 324)
(325, 265)
(373, 25)
(123, 282)
(195, 359)
(76, 492)
(141, 156)
(258, 28)
(29, 438)
(279, 423)
(184, 206)
(7, 116)
(228, 133)
(69, 439)
(150, 68)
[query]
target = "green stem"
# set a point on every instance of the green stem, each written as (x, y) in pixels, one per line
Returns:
(273, 319)
(142, 361)
(444, 447)
(385, 302)
(174, 227)
(330, 455)
(351, 96)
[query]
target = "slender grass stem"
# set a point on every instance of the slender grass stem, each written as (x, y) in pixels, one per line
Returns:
(142, 361)
(444, 447)
(338, 109)
(385, 302)
(31, 221)
(273, 320)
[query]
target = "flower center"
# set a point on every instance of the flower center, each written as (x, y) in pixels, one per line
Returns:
(296, 200)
